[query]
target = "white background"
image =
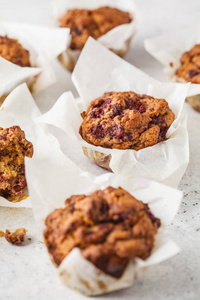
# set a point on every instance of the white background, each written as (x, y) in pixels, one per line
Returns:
(26, 271)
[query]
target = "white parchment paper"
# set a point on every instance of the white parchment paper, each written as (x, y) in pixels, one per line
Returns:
(20, 109)
(50, 182)
(43, 44)
(116, 39)
(168, 49)
(98, 71)
(12, 75)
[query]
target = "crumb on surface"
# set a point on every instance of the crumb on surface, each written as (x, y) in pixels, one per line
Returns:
(17, 237)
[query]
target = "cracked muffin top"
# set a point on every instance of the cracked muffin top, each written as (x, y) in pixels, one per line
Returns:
(13, 51)
(126, 120)
(110, 227)
(84, 23)
(13, 148)
(190, 65)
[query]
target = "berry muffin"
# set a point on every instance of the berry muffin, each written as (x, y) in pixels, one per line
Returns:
(13, 148)
(110, 227)
(13, 51)
(189, 71)
(125, 120)
(84, 23)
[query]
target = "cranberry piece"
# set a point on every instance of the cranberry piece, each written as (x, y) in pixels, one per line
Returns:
(98, 131)
(117, 109)
(162, 134)
(135, 104)
(158, 120)
(98, 111)
(193, 73)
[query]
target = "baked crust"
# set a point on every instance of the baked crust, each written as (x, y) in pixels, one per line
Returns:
(13, 51)
(109, 226)
(190, 65)
(13, 148)
(126, 120)
(84, 23)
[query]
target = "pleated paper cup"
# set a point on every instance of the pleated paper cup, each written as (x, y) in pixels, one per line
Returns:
(118, 39)
(44, 44)
(98, 71)
(51, 181)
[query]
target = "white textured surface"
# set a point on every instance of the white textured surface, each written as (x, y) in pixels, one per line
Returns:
(26, 271)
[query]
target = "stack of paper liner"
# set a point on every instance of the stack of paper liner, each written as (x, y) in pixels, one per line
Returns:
(98, 71)
(43, 44)
(168, 49)
(52, 177)
(118, 39)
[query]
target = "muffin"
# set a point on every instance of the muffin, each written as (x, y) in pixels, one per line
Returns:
(84, 23)
(189, 71)
(95, 23)
(13, 51)
(125, 120)
(110, 227)
(13, 148)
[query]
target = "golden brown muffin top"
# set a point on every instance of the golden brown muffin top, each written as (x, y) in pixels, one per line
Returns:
(13, 148)
(109, 226)
(13, 51)
(84, 23)
(190, 65)
(126, 120)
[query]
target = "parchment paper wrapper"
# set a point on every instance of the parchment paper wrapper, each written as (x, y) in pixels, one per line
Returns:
(168, 49)
(51, 182)
(20, 109)
(118, 39)
(98, 71)
(43, 44)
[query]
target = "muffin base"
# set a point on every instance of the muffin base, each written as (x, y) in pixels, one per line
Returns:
(99, 158)
(194, 101)
(69, 57)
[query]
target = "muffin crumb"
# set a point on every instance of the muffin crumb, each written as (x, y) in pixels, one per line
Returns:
(17, 237)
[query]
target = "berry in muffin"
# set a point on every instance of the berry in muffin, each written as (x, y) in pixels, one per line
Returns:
(110, 227)
(13, 148)
(13, 51)
(84, 23)
(126, 120)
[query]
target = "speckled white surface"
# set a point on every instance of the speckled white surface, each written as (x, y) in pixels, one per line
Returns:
(26, 271)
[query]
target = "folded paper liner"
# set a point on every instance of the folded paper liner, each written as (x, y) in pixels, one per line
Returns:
(51, 181)
(98, 71)
(43, 44)
(168, 49)
(118, 39)
(20, 109)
